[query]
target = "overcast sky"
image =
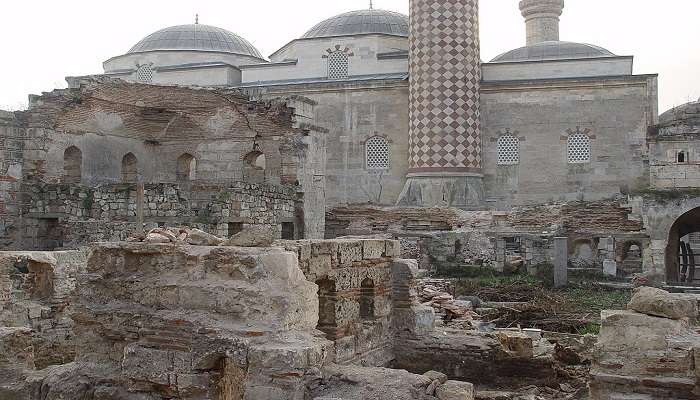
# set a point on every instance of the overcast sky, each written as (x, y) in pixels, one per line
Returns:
(46, 40)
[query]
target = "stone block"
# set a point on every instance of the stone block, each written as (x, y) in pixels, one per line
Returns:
(629, 330)
(349, 252)
(326, 247)
(455, 390)
(436, 376)
(372, 249)
(320, 266)
(610, 268)
(516, 344)
(393, 248)
(660, 303)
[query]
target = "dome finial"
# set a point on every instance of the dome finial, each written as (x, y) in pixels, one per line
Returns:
(196, 19)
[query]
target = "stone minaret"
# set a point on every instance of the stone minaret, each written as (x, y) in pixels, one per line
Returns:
(541, 19)
(445, 135)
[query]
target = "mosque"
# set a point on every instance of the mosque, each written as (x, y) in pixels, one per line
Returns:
(372, 108)
(552, 120)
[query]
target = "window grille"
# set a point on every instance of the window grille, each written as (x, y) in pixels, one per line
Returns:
(377, 153)
(338, 65)
(579, 149)
(508, 150)
(144, 74)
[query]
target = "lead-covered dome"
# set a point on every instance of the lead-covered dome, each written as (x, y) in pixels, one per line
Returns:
(681, 120)
(553, 50)
(196, 37)
(361, 22)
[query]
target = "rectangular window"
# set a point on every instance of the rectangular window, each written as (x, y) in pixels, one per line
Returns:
(288, 230)
(234, 228)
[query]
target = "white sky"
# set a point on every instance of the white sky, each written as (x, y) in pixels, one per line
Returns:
(46, 40)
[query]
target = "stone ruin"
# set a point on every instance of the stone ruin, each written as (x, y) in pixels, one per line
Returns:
(183, 314)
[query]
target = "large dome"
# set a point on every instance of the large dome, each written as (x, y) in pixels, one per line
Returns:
(196, 37)
(553, 50)
(361, 22)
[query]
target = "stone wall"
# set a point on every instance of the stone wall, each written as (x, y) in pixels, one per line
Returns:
(614, 113)
(354, 279)
(470, 356)
(11, 155)
(70, 215)
(447, 239)
(36, 290)
(106, 132)
(352, 113)
(667, 171)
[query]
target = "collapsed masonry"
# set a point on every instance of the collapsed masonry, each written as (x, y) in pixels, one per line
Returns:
(649, 352)
(167, 320)
(180, 314)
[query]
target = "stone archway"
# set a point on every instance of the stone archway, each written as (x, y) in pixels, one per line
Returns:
(676, 271)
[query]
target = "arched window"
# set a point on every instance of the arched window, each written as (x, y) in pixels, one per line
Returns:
(327, 298)
(72, 165)
(186, 168)
(254, 167)
(377, 153)
(579, 149)
(144, 73)
(508, 150)
(338, 63)
(458, 247)
(255, 159)
(367, 299)
(129, 168)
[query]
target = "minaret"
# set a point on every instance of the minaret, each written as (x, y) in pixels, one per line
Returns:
(541, 19)
(445, 135)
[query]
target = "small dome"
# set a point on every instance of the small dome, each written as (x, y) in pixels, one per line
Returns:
(684, 119)
(196, 37)
(553, 50)
(361, 22)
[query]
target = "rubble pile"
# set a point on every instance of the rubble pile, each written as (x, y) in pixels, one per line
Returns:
(357, 383)
(252, 236)
(435, 293)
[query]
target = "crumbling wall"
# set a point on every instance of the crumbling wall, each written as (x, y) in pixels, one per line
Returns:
(650, 351)
(354, 279)
(69, 216)
(447, 239)
(164, 321)
(11, 165)
(36, 290)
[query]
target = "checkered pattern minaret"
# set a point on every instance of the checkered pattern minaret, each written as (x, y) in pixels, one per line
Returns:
(445, 74)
